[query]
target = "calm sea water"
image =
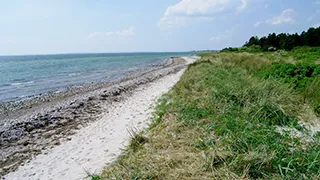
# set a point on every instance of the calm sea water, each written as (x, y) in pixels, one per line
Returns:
(25, 76)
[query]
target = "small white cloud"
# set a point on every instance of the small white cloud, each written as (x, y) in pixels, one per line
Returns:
(190, 11)
(243, 6)
(93, 34)
(266, 6)
(108, 33)
(198, 7)
(317, 2)
(177, 21)
(257, 24)
(125, 32)
(286, 17)
(225, 35)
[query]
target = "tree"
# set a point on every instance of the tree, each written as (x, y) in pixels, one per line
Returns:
(254, 40)
(286, 41)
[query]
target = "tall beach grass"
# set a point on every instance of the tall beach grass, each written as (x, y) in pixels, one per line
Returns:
(223, 121)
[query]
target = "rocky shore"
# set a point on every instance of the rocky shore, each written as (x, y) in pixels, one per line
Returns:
(33, 126)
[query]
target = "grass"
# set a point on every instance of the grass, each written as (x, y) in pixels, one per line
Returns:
(137, 140)
(306, 54)
(312, 94)
(223, 121)
(302, 54)
(92, 176)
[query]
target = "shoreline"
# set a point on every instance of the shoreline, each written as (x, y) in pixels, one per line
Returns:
(62, 118)
(9, 106)
(15, 109)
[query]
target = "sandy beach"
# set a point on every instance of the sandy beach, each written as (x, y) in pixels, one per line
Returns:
(65, 138)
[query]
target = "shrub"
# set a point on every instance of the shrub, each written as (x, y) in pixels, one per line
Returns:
(250, 49)
(306, 54)
(299, 74)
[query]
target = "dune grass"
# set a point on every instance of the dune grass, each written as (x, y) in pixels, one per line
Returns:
(223, 121)
(312, 94)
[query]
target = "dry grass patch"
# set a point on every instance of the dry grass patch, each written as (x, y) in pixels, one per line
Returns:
(169, 154)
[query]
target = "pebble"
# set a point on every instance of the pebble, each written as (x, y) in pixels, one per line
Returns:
(57, 143)
(64, 118)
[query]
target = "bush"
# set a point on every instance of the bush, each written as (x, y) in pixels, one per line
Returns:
(230, 49)
(251, 49)
(299, 74)
(306, 54)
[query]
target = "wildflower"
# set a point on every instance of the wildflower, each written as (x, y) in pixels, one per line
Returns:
(300, 67)
(298, 75)
(297, 70)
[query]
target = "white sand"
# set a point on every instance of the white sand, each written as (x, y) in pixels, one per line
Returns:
(100, 142)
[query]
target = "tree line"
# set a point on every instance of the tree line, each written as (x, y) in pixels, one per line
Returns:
(286, 41)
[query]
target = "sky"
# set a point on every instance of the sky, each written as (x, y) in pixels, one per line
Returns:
(93, 26)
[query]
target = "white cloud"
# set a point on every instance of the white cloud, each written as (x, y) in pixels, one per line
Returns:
(286, 17)
(93, 34)
(243, 6)
(257, 24)
(190, 11)
(227, 35)
(317, 2)
(125, 32)
(198, 7)
(177, 21)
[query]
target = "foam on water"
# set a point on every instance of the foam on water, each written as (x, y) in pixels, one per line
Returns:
(22, 83)
(74, 74)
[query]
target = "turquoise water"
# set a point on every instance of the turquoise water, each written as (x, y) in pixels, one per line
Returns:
(25, 76)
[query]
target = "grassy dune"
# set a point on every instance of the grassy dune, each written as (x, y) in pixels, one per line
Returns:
(231, 116)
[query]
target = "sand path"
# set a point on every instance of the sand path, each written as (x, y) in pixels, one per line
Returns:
(100, 142)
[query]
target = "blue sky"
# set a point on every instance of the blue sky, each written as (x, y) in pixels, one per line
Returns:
(80, 26)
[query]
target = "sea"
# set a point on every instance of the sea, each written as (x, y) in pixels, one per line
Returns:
(23, 77)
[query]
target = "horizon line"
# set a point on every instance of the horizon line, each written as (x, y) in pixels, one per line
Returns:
(128, 52)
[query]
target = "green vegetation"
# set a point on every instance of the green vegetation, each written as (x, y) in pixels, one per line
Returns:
(231, 116)
(287, 41)
(250, 49)
(312, 93)
(306, 54)
(301, 54)
(137, 141)
(298, 74)
(92, 176)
